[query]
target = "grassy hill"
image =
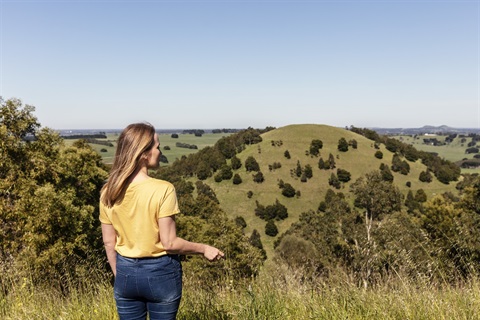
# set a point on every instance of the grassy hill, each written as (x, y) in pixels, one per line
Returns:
(296, 139)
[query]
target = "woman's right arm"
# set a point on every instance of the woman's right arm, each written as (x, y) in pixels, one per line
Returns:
(176, 245)
(109, 240)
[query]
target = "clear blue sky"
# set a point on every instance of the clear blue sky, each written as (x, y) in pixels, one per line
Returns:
(234, 64)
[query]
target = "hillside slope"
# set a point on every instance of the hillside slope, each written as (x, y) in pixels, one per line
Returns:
(297, 139)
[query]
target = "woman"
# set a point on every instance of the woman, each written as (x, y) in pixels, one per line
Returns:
(137, 213)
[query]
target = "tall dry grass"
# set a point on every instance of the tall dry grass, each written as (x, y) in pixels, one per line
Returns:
(278, 293)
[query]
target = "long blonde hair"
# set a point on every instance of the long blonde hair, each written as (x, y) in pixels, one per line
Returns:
(134, 142)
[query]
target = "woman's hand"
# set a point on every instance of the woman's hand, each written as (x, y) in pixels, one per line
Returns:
(212, 253)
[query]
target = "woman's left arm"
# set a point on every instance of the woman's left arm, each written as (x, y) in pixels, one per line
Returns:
(109, 240)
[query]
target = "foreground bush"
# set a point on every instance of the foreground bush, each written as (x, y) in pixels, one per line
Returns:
(48, 198)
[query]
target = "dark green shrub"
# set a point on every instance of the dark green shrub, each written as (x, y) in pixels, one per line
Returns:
(342, 145)
(288, 191)
(237, 179)
(343, 175)
(258, 177)
(240, 221)
(271, 229)
(251, 164)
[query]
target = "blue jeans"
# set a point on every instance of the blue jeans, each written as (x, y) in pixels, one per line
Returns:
(152, 285)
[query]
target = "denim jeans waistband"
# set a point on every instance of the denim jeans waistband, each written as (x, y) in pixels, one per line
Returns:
(172, 256)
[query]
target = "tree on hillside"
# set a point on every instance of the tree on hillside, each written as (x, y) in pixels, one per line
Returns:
(420, 196)
(227, 147)
(375, 195)
(298, 169)
(226, 172)
(322, 165)
(334, 182)
(251, 136)
(258, 177)
(271, 228)
(386, 173)
(367, 133)
(256, 241)
(343, 175)
(353, 143)
(281, 212)
(251, 164)
(298, 254)
(204, 189)
(315, 147)
(260, 210)
(240, 221)
(203, 171)
(322, 236)
(342, 145)
(236, 163)
(236, 179)
(444, 170)
(288, 190)
(399, 165)
(410, 153)
(410, 202)
(331, 161)
(425, 176)
(393, 145)
(308, 171)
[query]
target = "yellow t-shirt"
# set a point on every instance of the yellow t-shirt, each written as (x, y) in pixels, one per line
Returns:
(135, 219)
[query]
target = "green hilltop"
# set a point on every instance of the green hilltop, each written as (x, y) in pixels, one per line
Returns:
(296, 139)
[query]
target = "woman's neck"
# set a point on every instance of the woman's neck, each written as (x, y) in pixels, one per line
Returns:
(140, 175)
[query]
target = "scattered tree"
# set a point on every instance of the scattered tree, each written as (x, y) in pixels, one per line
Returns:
(271, 229)
(237, 179)
(258, 177)
(315, 147)
(251, 164)
(379, 154)
(342, 145)
(235, 163)
(288, 191)
(343, 175)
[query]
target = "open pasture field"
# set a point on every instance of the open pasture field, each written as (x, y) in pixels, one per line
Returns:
(206, 140)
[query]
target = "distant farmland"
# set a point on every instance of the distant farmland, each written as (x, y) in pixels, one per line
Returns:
(453, 151)
(207, 139)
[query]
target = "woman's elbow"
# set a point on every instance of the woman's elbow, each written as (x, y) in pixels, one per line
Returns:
(170, 245)
(108, 244)
(167, 247)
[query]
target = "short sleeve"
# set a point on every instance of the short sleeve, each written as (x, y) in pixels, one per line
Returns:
(103, 214)
(169, 205)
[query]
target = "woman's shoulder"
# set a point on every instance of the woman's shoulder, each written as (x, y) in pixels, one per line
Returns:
(161, 183)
